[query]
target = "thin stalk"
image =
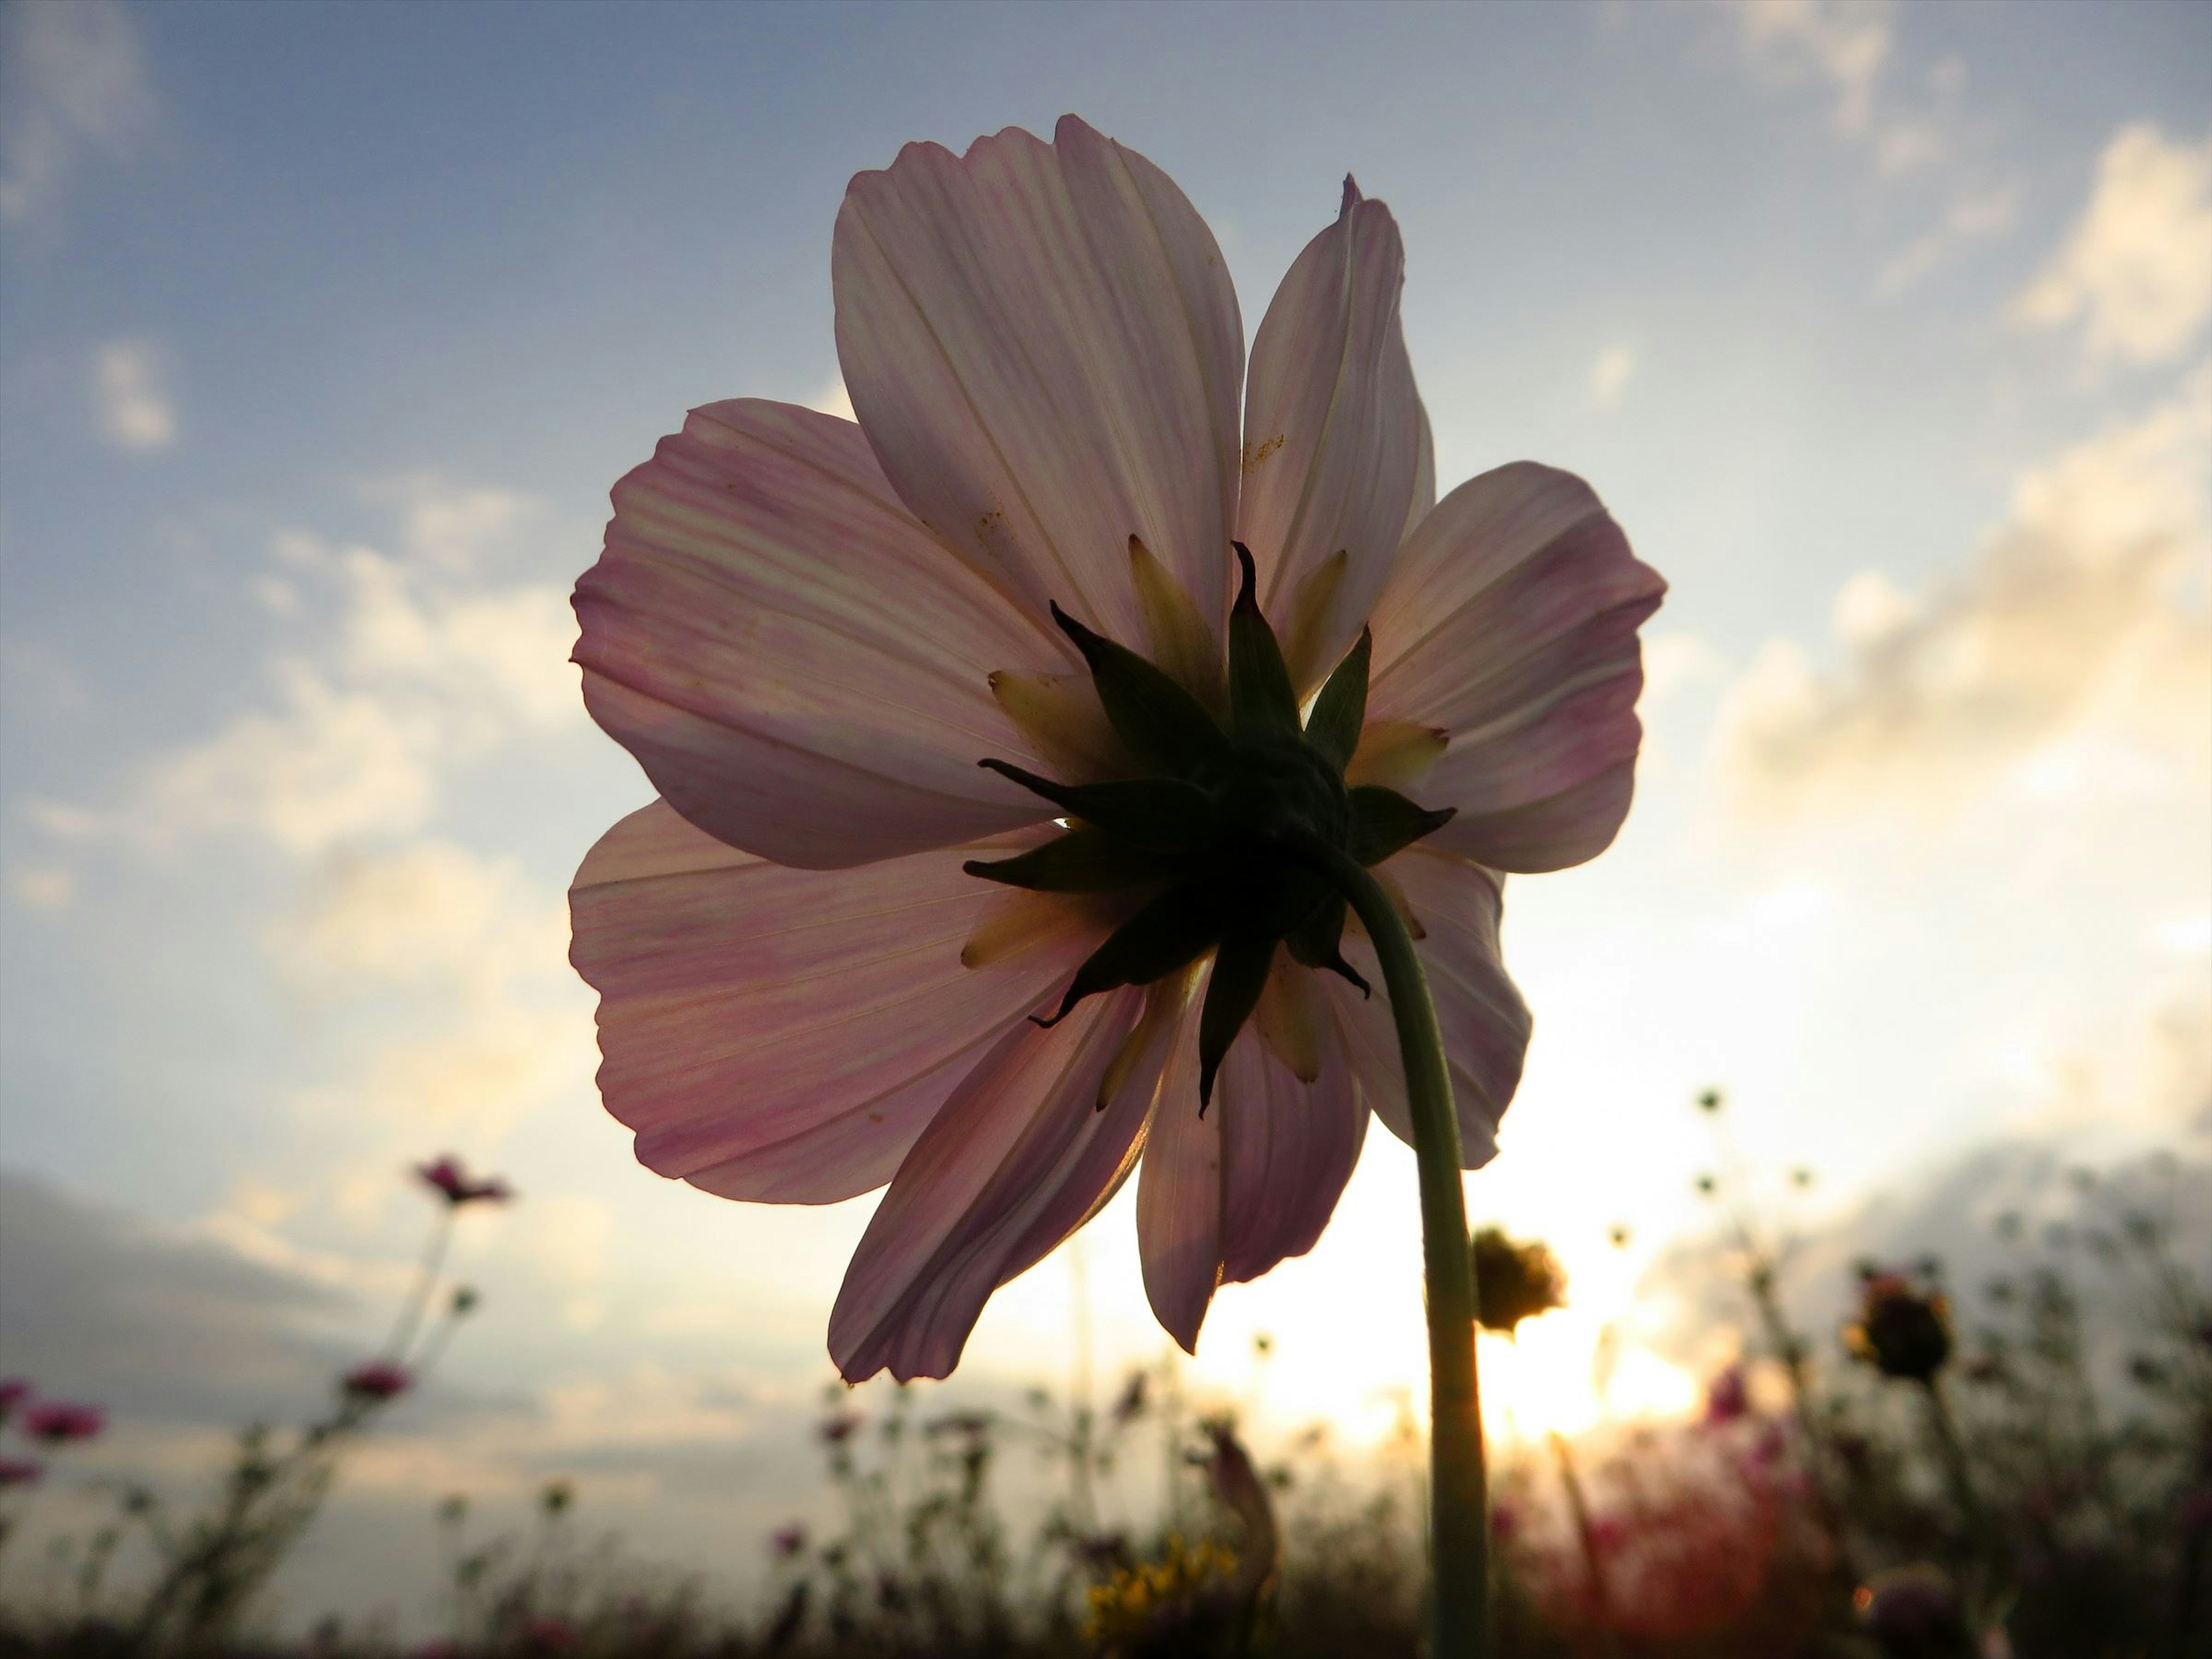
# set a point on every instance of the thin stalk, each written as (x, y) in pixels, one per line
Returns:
(426, 1282)
(1459, 1504)
(1586, 1533)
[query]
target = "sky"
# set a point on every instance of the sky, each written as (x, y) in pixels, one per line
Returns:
(324, 328)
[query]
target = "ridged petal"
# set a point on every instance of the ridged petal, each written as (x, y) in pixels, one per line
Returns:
(1486, 1024)
(1335, 436)
(784, 1035)
(1179, 1195)
(1019, 1157)
(1224, 1197)
(1043, 345)
(801, 669)
(1511, 622)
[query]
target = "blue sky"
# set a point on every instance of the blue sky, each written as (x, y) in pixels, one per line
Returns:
(324, 330)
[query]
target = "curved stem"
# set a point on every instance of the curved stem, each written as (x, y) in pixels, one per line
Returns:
(1459, 1503)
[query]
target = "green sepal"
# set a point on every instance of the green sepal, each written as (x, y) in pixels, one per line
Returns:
(1165, 726)
(1383, 821)
(1086, 859)
(1169, 931)
(1261, 700)
(1341, 710)
(1318, 941)
(1156, 815)
(1240, 974)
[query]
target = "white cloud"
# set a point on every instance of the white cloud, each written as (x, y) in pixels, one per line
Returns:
(1846, 44)
(427, 910)
(76, 79)
(1609, 376)
(2136, 269)
(44, 887)
(2077, 635)
(131, 396)
(1971, 218)
(404, 670)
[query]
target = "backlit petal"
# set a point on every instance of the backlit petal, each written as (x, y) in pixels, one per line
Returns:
(801, 669)
(1511, 622)
(1179, 1194)
(1333, 437)
(1287, 1148)
(784, 1035)
(1484, 1022)
(1021, 1155)
(1043, 345)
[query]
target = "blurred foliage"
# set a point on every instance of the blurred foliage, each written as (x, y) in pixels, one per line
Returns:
(2022, 1470)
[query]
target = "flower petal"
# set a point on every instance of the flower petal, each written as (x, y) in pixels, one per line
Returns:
(1287, 1148)
(1179, 1197)
(1333, 437)
(1485, 1023)
(784, 1035)
(801, 669)
(1511, 622)
(1020, 1157)
(1043, 345)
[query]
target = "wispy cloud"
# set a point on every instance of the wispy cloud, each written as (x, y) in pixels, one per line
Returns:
(2136, 271)
(2077, 605)
(76, 80)
(1844, 45)
(131, 400)
(1973, 217)
(1609, 376)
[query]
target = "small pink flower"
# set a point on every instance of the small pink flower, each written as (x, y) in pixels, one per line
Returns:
(544, 1634)
(838, 1427)
(13, 1391)
(1728, 1396)
(810, 631)
(377, 1381)
(19, 1472)
(447, 1176)
(55, 1422)
(787, 1541)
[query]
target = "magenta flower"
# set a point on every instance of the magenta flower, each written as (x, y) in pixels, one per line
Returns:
(57, 1422)
(447, 1177)
(786, 1541)
(19, 1472)
(810, 632)
(1728, 1396)
(375, 1381)
(13, 1391)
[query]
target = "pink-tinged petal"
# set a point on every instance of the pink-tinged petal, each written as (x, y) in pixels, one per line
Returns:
(1287, 1148)
(784, 1035)
(1043, 346)
(799, 667)
(1332, 437)
(1020, 1157)
(1511, 622)
(1179, 1197)
(1456, 904)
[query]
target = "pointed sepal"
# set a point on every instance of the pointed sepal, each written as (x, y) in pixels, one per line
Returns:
(1261, 700)
(1168, 933)
(1240, 966)
(1384, 822)
(1318, 942)
(1341, 710)
(1157, 815)
(1164, 726)
(1086, 859)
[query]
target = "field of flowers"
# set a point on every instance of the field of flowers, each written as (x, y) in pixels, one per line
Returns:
(2021, 1468)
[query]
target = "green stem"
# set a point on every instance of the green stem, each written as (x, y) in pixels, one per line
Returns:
(1459, 1504)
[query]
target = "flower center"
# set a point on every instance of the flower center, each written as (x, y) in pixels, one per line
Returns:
(1227, 827)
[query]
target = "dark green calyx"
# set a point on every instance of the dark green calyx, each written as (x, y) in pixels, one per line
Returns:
(1223, 840)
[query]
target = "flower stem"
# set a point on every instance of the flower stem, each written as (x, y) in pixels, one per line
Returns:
(1459, 1504)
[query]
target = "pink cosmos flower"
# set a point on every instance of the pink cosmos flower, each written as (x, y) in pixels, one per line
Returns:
(447, 1176)
(19, 1472)
(13, 1391)
(809, 631)
(376, 1380)
(1728, 1396)
(55, 1422)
